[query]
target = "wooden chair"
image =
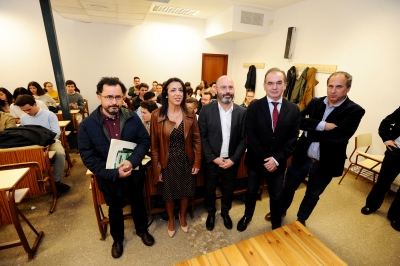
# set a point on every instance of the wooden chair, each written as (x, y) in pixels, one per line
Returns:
(85, 113)
(37, 159)
(374, 166)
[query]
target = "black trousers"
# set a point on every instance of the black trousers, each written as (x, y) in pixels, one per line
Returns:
(315, 187)
(212, 172)
(389, 171)
(131, 189)
(275, 186)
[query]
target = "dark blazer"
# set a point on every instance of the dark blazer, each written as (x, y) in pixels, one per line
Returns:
(389, 129)
(211, 132)
(263, 142)
(333, 143)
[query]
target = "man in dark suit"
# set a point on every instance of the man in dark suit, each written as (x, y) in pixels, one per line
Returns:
(328, 124)
(272, 128)
(223, 140)
(389, 130)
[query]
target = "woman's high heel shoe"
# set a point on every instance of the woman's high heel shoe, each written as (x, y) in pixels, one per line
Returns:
(171, 233)
(185, 229)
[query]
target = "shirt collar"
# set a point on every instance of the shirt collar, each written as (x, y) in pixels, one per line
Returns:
(336, 105)
(270, 100)
(222, 109)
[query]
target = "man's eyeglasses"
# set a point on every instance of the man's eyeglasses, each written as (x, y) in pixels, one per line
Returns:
(109, 98)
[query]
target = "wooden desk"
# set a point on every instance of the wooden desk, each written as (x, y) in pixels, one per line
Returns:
(376, 158)
(291, 244)
(64, 142)
(73, 113)
(9, 179)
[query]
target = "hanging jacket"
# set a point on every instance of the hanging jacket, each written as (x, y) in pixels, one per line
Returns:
(251, 78)
(25, 136)
(299, 87)
(309, 90)
(291, 80)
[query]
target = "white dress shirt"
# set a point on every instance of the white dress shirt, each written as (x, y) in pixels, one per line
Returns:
(226, 119)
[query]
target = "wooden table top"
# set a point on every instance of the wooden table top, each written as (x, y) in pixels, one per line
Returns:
(64, 123)
(8, 178)
(291, 244)
(70, 111)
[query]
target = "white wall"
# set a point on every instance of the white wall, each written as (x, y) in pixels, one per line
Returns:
(359, 36)
(157, 50)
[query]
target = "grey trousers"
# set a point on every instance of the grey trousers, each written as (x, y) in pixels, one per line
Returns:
(59, 160)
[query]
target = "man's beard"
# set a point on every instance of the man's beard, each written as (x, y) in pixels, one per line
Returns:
(227, 98)
(111, 110)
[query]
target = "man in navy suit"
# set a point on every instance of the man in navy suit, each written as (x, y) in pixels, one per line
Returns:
(327, 123)
(389, 131)
(223, 140)
(272, 128)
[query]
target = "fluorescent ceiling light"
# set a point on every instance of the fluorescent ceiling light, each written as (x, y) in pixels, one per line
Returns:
(175, 10)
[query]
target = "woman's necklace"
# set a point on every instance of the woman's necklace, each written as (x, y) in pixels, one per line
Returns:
(175, 116)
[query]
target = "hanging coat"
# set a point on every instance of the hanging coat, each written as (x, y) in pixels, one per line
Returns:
(291, 80)
(309, 91)
(251, 78)
(299, 87)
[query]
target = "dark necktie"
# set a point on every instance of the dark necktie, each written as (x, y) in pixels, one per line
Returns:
(275, 114)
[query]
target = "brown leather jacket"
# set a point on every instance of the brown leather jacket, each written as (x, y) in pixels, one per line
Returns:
(161, 129)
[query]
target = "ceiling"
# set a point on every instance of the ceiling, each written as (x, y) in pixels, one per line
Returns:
(133, 12)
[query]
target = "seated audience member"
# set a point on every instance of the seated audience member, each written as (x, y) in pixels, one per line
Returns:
(6, 121)
(127, 103)
(132, 90)
(189, 92)
(48, 87)
(147, 108)
(148, 96)
(143, 88)
(192, 105)
(158, 89)
(213, 90)
(204, 84)
(75, 100)
(206, 98)
(154, 86)
(197, 92)
(15, 111)
(6, 99)
(248, 99)
(187, 85)
(36, 116)
(40, 94)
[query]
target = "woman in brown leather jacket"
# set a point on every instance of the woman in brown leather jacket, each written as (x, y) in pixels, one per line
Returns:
(175, 151)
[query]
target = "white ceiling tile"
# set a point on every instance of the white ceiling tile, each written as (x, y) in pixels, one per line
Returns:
(72, 10)
(104, 20)
(135, 3)
(101, 13)
(130, 21)
(93, 5)
(131, 16)
(76, 17)
(133, 9)
(70, 3)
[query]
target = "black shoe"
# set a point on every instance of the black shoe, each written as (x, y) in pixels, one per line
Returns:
(117, 249)
(210, 222)
(395, 225)
(61, 187)
(268, 216)
(147, 239)
(275, 226)
(242, 224)
(227, 221)
(367, 210)
(303, 222)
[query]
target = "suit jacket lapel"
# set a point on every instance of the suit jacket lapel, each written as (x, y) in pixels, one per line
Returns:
(215, 113)
(284, 110)
(338, 110)
(265, 108)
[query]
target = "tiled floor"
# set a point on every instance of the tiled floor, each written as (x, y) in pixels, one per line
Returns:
(72, 237)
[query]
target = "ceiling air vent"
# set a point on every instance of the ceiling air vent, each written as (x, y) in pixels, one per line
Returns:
(252, 18)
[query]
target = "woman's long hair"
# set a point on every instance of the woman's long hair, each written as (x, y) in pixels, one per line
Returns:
(164, 99)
